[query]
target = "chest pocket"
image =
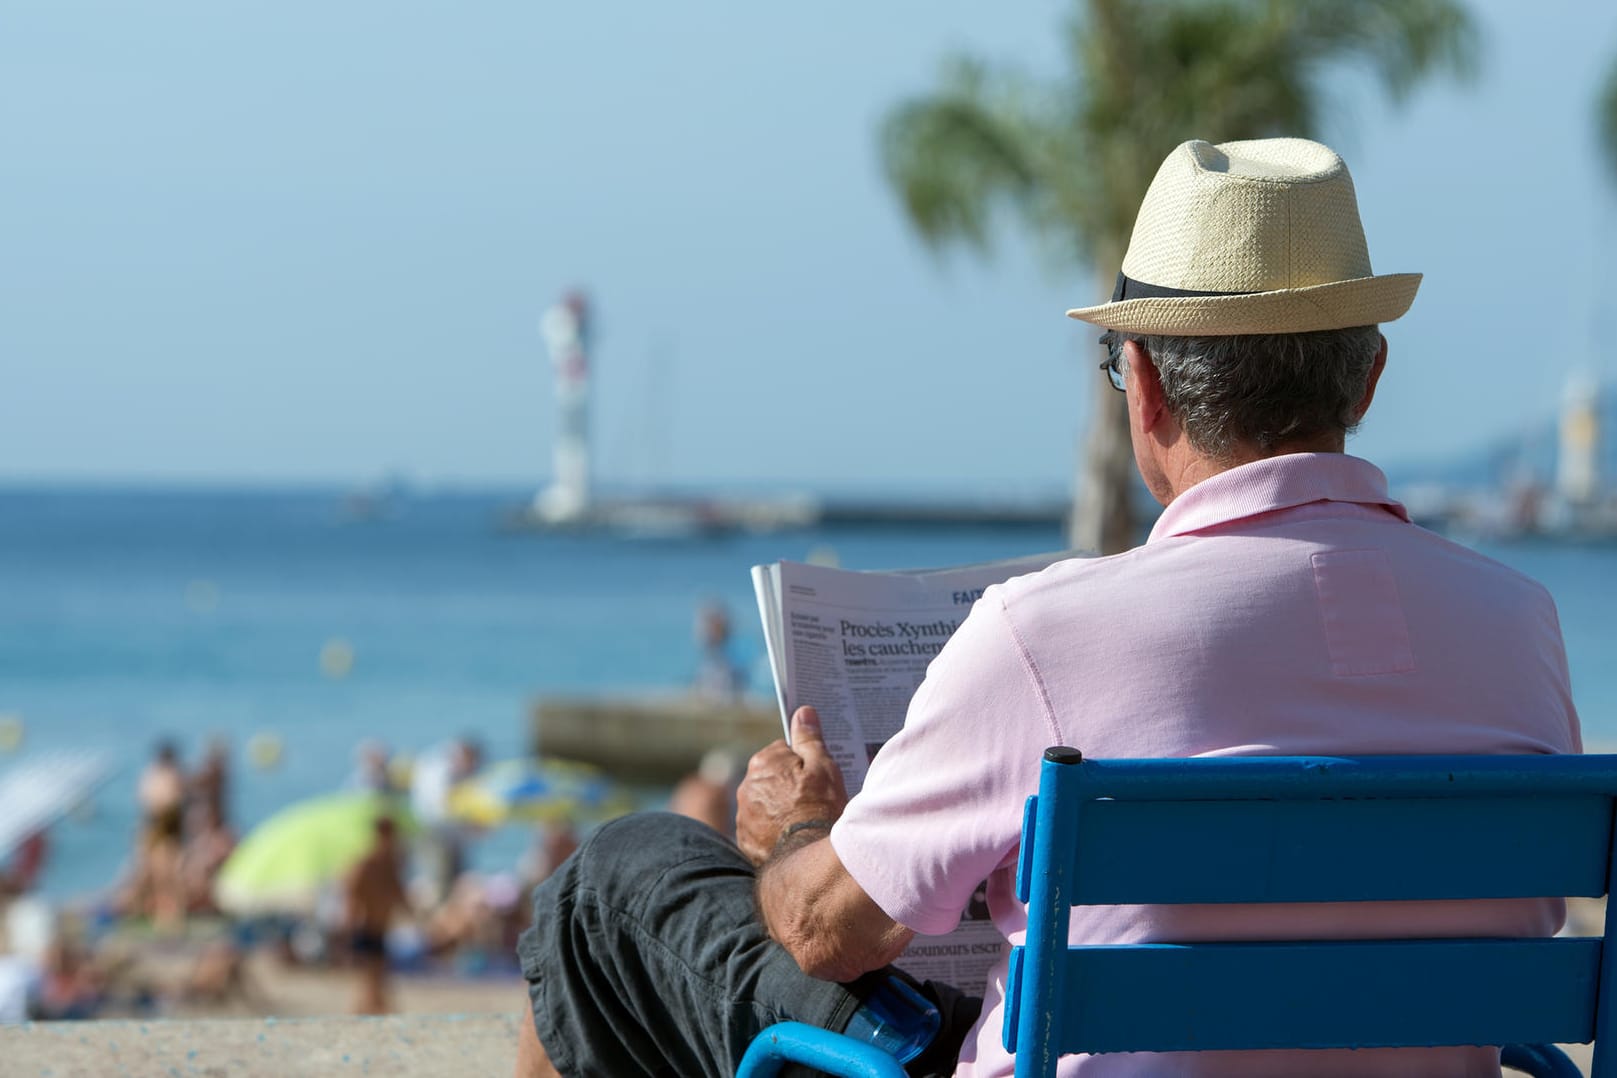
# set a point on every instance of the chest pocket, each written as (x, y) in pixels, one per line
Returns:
(1365, 628)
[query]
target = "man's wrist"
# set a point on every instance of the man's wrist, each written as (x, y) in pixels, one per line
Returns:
(807, 825)
(801, 834)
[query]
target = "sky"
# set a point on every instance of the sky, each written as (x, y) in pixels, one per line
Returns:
(298, 242)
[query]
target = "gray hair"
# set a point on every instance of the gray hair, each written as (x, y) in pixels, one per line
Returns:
(1263, 390)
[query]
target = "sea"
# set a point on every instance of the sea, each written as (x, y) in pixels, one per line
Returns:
(309, 621)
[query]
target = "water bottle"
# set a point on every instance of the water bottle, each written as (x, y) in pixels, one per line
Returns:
(897, 1019)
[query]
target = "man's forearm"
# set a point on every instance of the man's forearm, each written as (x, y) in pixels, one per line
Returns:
(775, 889)
(787, 900)
(815, 910)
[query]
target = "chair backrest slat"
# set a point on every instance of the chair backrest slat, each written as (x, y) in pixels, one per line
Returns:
(1328, 995)
(1347, 850)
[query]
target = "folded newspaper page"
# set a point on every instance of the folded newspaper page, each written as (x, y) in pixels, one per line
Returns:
(856, 645)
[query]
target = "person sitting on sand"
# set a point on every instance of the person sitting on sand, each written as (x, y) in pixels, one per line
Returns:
(71, 986)
(218, 978)
(473, 925)
(373, 892)
(1283, 603)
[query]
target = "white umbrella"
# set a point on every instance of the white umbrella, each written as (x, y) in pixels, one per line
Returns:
(38, 791)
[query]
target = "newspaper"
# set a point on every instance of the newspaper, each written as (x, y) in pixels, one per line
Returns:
(856, 645)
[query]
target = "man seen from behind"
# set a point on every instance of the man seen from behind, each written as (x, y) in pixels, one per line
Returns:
(1283, 604)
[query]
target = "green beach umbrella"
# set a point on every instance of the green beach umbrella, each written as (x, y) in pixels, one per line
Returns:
(284, 863)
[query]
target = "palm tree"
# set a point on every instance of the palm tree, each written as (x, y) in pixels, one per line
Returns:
(1072, 157)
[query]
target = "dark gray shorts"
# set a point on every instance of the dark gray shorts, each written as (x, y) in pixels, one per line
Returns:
(647, 957)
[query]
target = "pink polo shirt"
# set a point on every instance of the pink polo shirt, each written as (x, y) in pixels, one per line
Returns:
(1282, 607)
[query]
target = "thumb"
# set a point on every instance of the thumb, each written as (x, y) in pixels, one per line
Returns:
(806, 737)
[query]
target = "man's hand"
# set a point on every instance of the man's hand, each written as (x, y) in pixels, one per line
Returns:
(809, 902)
(787, 784)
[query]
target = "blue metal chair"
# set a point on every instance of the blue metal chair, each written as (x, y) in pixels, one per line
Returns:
(1310, 829)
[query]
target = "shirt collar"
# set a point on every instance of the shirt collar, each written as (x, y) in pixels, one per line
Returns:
(1282, 482)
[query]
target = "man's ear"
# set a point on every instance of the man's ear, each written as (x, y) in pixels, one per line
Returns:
(1376, 368)
(1144, 387)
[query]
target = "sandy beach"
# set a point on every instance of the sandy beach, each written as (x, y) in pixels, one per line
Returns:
(272, 1019)
(285, 991)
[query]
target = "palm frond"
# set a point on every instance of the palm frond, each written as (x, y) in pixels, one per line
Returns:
(1606, 118)
(1404, 42)
(955, 157)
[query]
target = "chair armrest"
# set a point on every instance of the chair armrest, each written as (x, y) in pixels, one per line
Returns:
(1539, 1060)
(796, 1042)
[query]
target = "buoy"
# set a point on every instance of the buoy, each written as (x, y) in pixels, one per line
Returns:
(264, 751)
(12, 732)
(337, 658)
(824, 554)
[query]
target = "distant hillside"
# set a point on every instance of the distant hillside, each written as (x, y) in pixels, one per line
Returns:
(1532, 451)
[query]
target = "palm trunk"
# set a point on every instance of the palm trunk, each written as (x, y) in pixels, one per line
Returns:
(1102, 517)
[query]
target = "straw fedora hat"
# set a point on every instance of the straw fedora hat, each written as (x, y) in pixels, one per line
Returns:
(1250, 237)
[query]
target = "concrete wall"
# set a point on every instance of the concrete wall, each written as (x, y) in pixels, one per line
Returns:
(417, 1046)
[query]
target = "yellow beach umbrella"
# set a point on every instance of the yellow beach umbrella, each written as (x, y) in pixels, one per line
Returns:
(537, 791)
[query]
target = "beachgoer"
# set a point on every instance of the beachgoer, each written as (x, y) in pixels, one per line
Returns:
(550, 845)
(718, 676)
(208, 844)
(371, 771)
(506, 896)
(440, 843)
(210, 783)
(473, 923)
(162, 791)
(373, 892)
(159, 888)
(17, 977)
(1283, 603)
(218, 977)
(708, 793)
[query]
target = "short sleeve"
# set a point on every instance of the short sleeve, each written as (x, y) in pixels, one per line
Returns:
(941, 807)
(1564, 673)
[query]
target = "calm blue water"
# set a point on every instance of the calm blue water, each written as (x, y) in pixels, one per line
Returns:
(125, 616)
